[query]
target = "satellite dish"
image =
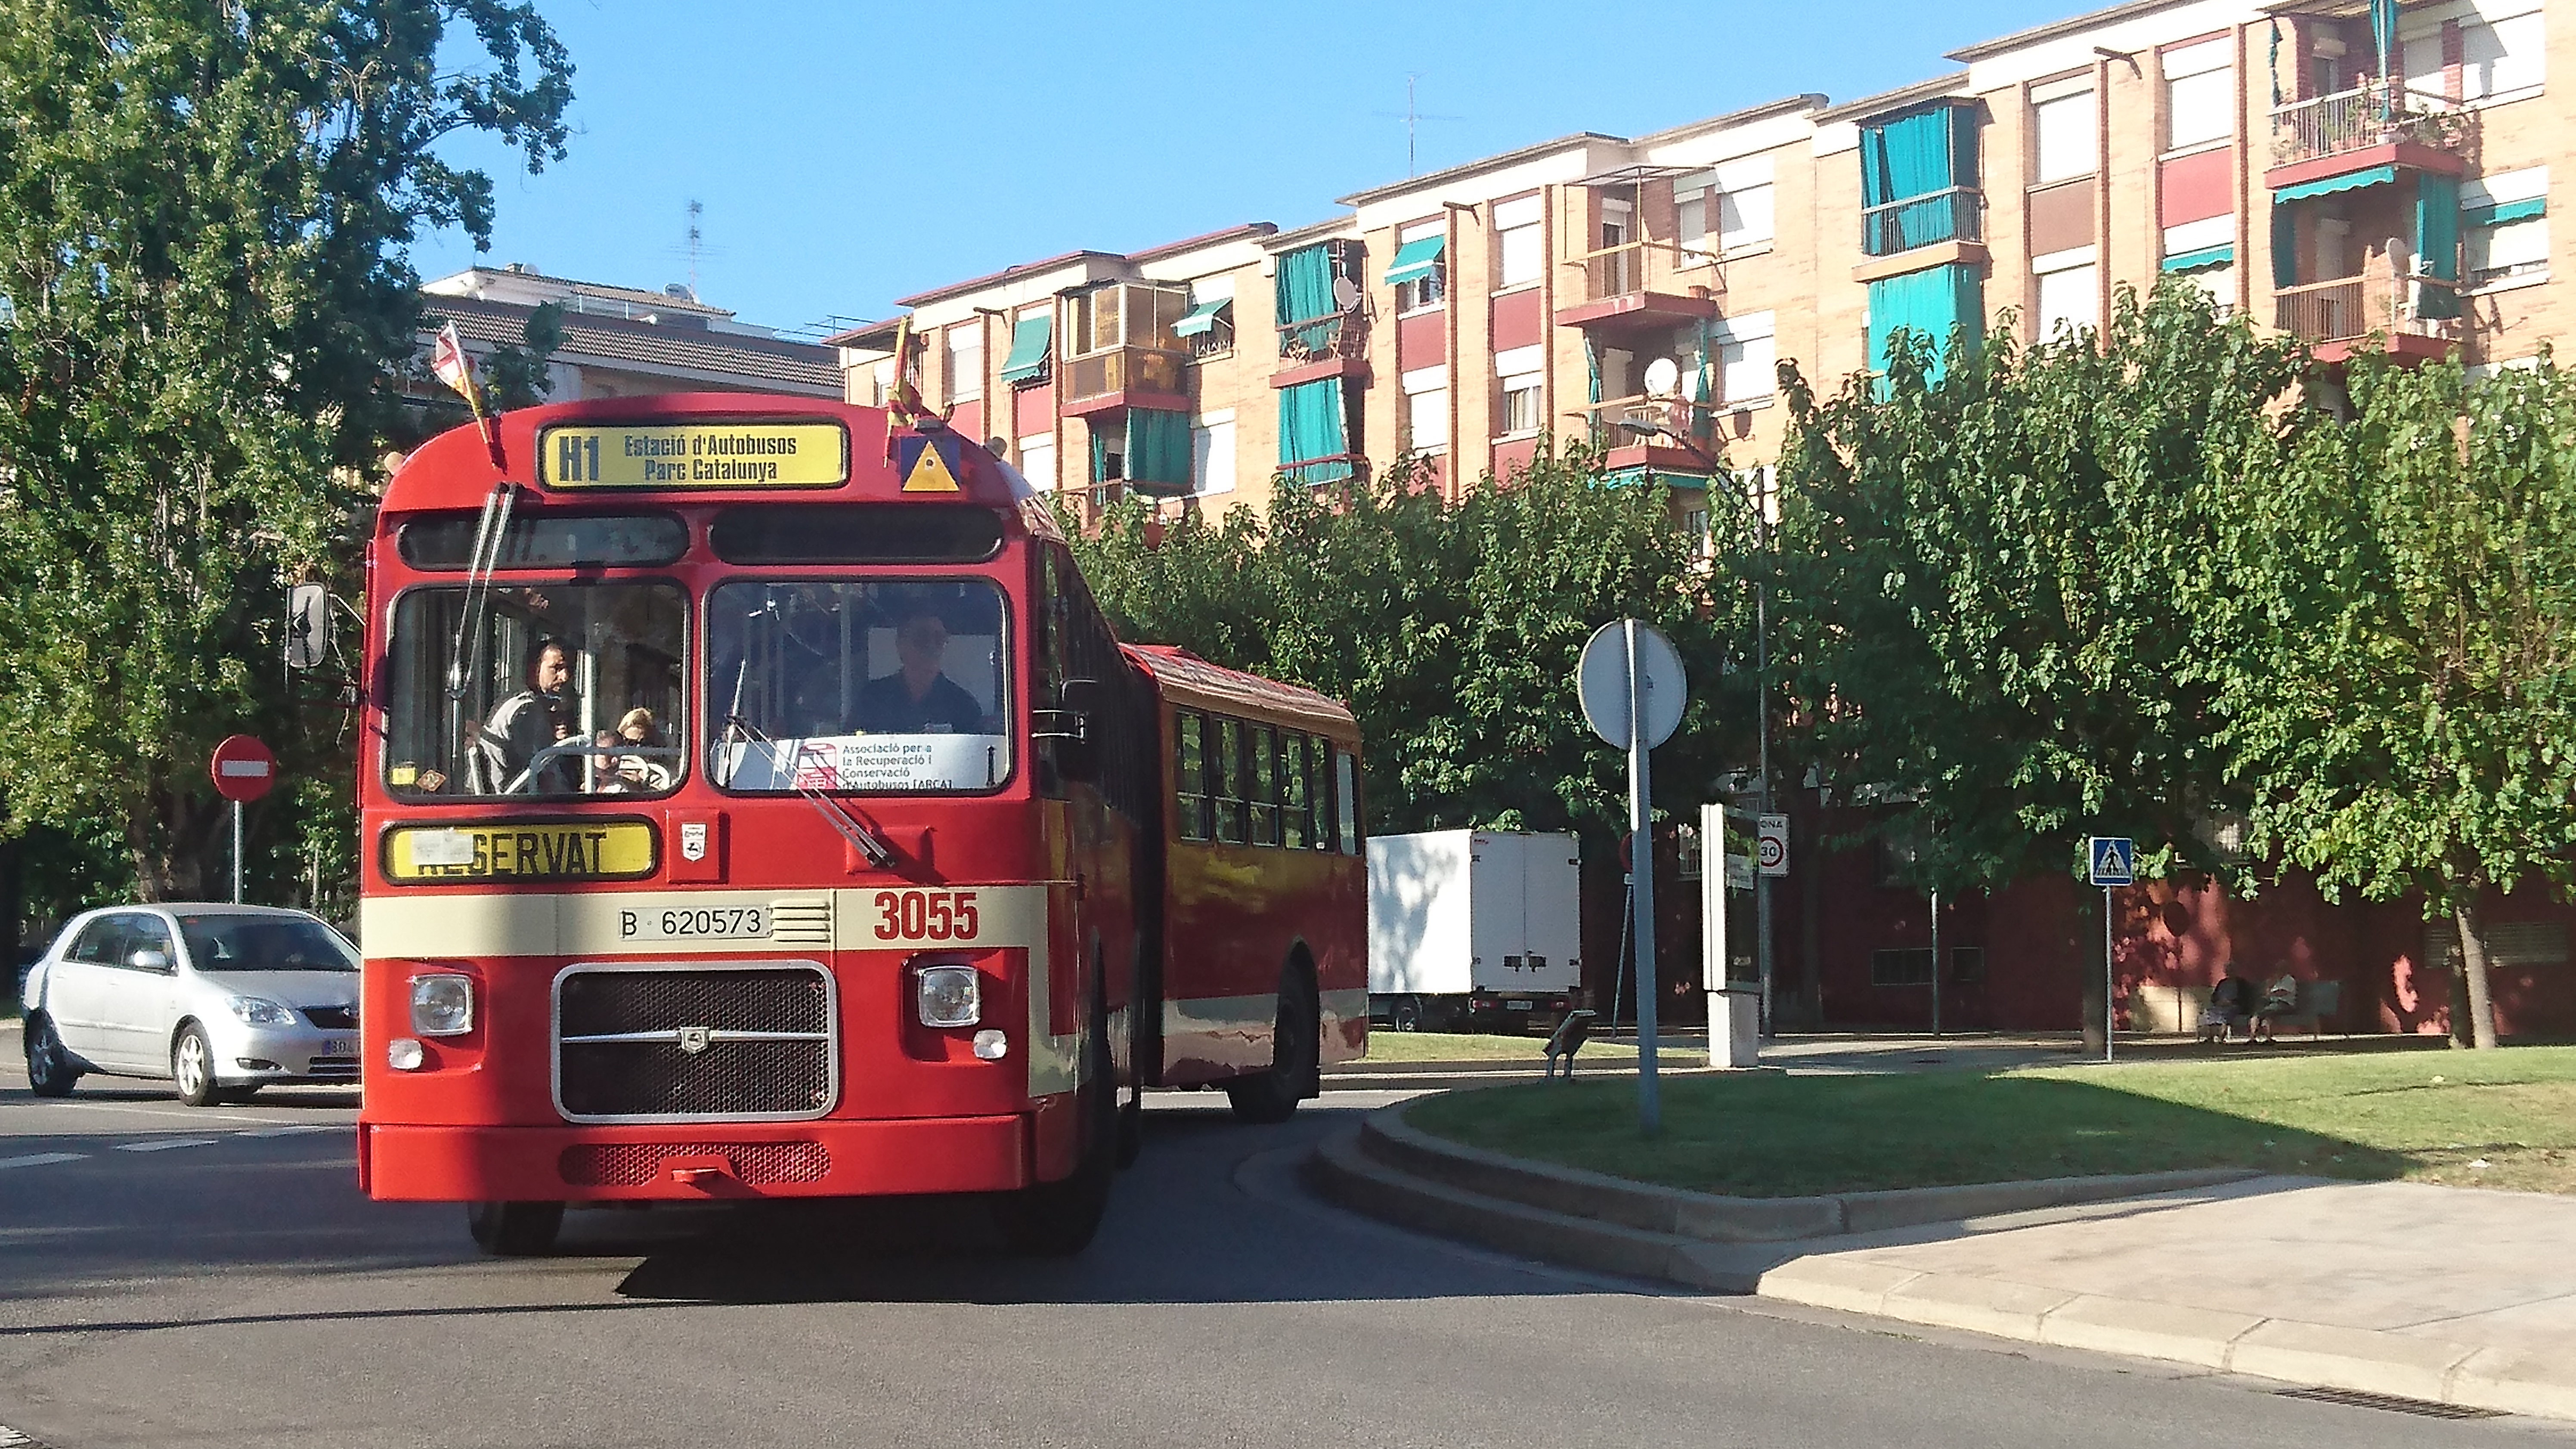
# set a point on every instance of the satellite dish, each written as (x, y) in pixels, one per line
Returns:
(1661, 375)
(1346, 293)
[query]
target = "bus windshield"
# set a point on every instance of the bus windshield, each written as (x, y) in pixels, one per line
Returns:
(566, 689)
(881, 687)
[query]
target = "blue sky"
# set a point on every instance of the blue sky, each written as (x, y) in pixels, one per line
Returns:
(848, 154)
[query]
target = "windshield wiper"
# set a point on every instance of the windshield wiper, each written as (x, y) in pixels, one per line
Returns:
(838, 815)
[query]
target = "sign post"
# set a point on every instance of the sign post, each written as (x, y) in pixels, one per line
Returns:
(2115, 863)
(1631, 685)
(243, 770)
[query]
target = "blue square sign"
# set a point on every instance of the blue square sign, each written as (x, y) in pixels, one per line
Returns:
(2115, 860)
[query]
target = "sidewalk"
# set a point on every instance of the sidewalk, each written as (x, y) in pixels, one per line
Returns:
(2457, 1296)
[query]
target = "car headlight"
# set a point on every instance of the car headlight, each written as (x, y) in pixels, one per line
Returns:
(442, 1004)
(260, 1011)
(948, 995)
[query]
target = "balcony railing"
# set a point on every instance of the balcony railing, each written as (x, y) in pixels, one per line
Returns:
(1601, 421)
(1125, 369)
(1637, 266)
(2372, 114)
(1343, 334)
(2349, 307)
(1920, 221)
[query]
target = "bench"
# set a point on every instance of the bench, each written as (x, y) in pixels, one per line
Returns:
(2318, 1003)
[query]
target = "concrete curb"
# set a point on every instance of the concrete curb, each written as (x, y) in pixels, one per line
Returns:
(1810, 1250)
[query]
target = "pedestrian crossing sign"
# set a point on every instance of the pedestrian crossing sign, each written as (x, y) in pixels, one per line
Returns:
(928, 464)
(2115, 860)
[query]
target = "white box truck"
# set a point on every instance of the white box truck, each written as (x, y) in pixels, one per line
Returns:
(1474, 927)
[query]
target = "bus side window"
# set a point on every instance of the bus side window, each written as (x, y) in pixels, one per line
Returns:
(1346, 799)
(1192, 769)
(1295, 814)
(1263, 742)
(1225, 780)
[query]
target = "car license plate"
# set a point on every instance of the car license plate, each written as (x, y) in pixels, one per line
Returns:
(337, 1046)
(1518, 1005)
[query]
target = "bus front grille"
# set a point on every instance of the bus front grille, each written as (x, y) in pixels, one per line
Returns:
(695, 1042)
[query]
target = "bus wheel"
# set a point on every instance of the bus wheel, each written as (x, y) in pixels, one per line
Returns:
(1406, 1015)
(514, 1229)
(1273, 1095)
(1058, 1219)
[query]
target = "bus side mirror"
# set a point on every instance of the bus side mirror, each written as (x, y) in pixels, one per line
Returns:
(1068, 729)
(308, 626)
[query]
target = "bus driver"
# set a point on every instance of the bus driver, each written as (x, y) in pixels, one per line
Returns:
(919, 698)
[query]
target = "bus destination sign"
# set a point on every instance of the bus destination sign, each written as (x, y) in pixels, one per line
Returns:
(589, 850)
(714, 454)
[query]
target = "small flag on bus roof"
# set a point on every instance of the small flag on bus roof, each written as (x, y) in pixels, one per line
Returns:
(448, 361)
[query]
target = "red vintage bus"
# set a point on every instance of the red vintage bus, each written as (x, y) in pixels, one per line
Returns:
(756, 804)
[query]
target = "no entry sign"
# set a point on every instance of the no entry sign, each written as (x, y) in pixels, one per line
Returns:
(243, 769)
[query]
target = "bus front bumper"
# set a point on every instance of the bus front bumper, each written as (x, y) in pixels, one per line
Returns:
(695, 1162)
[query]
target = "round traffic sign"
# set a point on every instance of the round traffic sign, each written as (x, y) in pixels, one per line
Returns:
(243, 769)
(1772, 850)
(1601, 682)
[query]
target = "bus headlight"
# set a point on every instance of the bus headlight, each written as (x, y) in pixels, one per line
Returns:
(948, 996)
(442, 1004)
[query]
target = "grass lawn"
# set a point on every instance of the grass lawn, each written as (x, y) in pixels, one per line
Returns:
(1434, 1046)
(2488, 1119)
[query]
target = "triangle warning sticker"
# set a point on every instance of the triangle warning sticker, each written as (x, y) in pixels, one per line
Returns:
(930, 471)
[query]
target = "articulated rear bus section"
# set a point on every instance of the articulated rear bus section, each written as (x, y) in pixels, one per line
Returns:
(584, 1069)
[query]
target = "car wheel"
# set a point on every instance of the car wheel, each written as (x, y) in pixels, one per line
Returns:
(49, 1068)
(514, 1229)
(192, 1067)
(1273, 1096)
(1407, 1014)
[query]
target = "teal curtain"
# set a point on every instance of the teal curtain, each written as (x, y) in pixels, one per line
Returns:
(1310, 427)
(2285, 249)
(1933, 303)
(1099, 456)
(2437, 243)
(1158, 450)
(1923, 154)
(1305, 288)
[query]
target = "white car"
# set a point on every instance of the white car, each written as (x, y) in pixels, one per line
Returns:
(220, 1000)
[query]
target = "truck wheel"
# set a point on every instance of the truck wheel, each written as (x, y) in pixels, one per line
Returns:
(514, 1229)
(1273, 1096)
(1059, 1219)
(49, 1069)
(1406, 1015)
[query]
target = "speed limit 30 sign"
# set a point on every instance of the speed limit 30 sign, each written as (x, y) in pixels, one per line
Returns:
(1771, 845)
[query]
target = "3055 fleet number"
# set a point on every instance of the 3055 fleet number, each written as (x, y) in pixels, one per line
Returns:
(927, 916)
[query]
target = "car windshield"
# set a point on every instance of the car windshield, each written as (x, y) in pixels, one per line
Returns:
(226, 942)
(892, 686)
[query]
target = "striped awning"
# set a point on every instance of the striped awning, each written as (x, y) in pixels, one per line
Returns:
(2329, 185)
(1415, 260)
(2221, 255)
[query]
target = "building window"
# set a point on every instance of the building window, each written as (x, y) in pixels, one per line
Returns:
(1724, 210)
(2502, 250)
(1424, 292)
(1420, 272)
(1520, 241)
(1918, 179)
(2200, 93)
(1907, 966)
(1747, 358)
(2070, 286)
(1212, 455)
(2498, 57)
(964, 379)
(1037, 461)
(2218, 283)
(2064, 138)
(1426, 409)
(1702, 546)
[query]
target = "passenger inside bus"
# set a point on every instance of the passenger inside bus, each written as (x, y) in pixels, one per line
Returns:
(527, 722)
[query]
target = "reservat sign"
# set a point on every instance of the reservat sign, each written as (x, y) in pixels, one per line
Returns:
(585, 850)
(695, 455)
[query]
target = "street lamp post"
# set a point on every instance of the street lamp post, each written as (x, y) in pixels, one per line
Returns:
(1762, 698)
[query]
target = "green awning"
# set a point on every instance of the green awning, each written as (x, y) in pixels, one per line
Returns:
(1031, 337)
(2221, 255)
(2501, 212)
(1416, 260)
(1202, 318)
(2329, 185)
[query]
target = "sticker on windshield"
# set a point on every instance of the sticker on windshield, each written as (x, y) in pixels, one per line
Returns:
(889, 763)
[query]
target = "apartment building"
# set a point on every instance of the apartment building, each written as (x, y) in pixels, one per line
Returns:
(625, 341)
(2360, 175)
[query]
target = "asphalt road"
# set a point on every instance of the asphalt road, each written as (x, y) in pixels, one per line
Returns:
(214, 1279)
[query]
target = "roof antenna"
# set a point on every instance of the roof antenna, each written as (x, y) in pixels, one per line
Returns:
(1412, 119)
(696, 242)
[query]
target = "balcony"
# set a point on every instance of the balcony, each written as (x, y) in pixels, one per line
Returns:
(1635, 282)
(1600, 424)
(1121, 344)
(2415, 315)
(1954, 215)
(1339, 336)
(1126, 370)
(2372, 117)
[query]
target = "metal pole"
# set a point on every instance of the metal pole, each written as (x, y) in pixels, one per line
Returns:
(1641, 870)
(2106, 973)
(237, 852)
(1936, 963)
(1762, 785)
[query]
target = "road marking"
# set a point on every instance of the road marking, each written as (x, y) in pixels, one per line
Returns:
(295, 1129)
(184, 1115)
(12, 1439)
(41, 1159)
(165, 1144)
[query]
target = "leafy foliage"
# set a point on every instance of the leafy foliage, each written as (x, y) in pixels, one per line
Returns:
(203, 205)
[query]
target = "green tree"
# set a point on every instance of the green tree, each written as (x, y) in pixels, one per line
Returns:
(204, 308)
(2400, 690)
(1991, 588)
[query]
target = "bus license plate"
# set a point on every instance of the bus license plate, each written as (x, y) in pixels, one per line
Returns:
(708, 923)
